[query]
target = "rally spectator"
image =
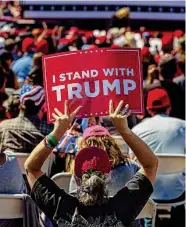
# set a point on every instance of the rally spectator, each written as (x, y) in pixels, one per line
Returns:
(9, 169)
(22, 66)
(35, 76)
(7, 78)
(12, 106)
(168, 68)
(164, 134)
(37, 60)
(122, 167)
(12, 182)
(180, 80)
(152, 75)
(64, 153)
(93, 207)
(12, 46)
(22, 133)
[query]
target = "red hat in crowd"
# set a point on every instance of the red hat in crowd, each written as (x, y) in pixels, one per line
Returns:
(42, 46)
(145, 53)
(178, 33)
(100, 39)
(167, 42)
(96, 130)
(74, 29)
(91, 158)
(92, 47)
(157, 99)
(28, 45)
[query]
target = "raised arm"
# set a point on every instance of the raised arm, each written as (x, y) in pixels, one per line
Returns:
(38, 156)
(141, 150)
(44, 32)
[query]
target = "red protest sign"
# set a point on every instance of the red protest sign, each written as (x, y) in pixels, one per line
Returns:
(91, 78)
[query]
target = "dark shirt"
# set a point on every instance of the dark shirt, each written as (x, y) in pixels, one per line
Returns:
(9, 76)
(180, 80)
(23, 134)
(65, 210)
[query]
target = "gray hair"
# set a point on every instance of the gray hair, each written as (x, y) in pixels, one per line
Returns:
(92, 190)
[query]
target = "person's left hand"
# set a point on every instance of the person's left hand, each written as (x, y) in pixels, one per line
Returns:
(63, 121)
(119, 116)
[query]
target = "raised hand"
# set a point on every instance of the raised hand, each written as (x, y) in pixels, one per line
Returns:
(63, 121)
(119, 116)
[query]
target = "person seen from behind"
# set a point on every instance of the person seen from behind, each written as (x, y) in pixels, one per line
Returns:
(92, 166)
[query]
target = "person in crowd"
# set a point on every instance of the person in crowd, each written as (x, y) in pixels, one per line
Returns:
(168, 68)
(152, 75)
(24, 132)
(12, 182)
(22, 66)
(64, 153)
(7, 78)
(163, 134)
(62, 159)
(11, 45)
(161, 125)
(12, 106)
(122, 168)
(180, 80)
(35, 76)
(9, 169)
(92, 165)
(37, 60)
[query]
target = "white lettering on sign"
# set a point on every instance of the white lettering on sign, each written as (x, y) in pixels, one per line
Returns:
(128, 88)
(53, 78)
(58, 91)
(92, 89)
(107, 86)
(108, 72)
(118, 71)
(87, 89)
(74, 92)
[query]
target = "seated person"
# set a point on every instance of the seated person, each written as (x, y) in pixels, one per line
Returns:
(92, 166)
(24, 132)
(122, 168)
(12, 182)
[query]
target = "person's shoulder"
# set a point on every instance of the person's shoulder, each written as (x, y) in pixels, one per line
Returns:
(7, 122)
(176, 120)
(129, 165)
(179, 79)
(143, 123)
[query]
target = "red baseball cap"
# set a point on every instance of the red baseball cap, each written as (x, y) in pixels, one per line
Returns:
(28, 44)
(96, 130)
(157, 99)
(91, 158)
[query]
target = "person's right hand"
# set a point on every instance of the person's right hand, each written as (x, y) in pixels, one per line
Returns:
(63, 121)
(119, 116)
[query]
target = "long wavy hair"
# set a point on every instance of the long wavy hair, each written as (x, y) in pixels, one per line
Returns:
(92, 190)
(108, 144)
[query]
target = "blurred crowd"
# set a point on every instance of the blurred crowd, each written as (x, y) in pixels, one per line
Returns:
(22, 102)
(10, 9)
